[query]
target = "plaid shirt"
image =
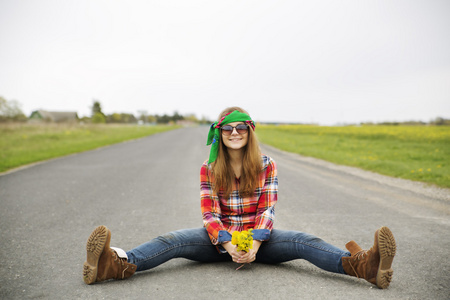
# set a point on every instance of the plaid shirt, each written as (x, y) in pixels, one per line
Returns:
(222, 216)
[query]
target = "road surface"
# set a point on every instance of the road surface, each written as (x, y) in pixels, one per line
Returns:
(146, 187)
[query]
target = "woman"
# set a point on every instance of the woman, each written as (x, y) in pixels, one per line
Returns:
(238, 192)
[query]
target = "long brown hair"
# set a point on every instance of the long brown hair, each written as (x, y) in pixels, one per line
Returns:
(251, 164)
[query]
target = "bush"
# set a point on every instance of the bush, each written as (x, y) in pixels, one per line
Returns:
(98, 118)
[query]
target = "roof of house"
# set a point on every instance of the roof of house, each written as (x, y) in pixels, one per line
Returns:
(56, 116)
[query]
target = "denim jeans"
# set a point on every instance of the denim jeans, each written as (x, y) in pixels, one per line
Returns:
(194, 244)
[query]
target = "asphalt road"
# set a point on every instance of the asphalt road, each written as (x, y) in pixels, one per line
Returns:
(150, 186)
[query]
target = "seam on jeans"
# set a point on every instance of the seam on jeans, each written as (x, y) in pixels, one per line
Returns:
(171, 248)
(304, 243)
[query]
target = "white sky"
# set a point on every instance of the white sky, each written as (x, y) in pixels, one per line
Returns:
(326, 62)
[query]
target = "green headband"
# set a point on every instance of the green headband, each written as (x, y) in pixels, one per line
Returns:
(214, 131)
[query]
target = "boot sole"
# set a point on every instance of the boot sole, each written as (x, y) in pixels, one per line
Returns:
(387, 248)
(94, 247)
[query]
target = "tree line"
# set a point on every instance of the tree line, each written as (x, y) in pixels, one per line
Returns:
(10, 111)
(143, 117)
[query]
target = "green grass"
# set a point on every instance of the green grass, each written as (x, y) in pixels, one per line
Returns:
(420, 153)
(21, 144)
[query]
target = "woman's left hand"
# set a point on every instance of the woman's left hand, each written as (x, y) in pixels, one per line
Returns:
(247, 257)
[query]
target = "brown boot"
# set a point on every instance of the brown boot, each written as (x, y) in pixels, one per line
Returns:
(374, 265)
(102, 262)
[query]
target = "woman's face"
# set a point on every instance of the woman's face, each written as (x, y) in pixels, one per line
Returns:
(235, 141)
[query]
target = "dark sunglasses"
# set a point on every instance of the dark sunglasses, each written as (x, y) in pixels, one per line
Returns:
(228, 129)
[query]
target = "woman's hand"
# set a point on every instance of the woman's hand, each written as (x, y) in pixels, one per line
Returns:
(242, 257)
(250, 256)
(232, 250)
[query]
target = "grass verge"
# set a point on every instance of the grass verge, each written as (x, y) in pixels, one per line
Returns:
(420, 153)
(21, 144)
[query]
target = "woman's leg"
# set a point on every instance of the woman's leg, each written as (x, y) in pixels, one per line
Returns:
(193, 244)
(286, 245)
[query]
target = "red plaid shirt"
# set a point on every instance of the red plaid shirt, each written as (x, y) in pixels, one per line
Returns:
(222, 216)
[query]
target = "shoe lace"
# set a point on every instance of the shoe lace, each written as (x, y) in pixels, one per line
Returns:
(360, 255)
(120, 262)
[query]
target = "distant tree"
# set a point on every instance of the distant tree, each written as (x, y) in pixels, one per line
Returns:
(128, 118)
(440, 122)
(176, 117)
(121, 118)
(3, 104)
(151, 119)
(96, 108)
(97, 115)
(163, 119)
(191, 118)
(114, 118)
(85, 119)
(11, 111)
(98, 118)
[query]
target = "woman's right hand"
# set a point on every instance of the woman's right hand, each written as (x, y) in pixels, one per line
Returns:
(232, 250)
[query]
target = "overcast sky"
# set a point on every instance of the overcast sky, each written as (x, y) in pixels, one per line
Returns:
(327, 62)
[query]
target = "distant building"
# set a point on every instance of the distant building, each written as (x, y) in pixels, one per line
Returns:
(53, 116)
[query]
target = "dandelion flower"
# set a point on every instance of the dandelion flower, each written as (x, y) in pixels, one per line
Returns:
(243, 240)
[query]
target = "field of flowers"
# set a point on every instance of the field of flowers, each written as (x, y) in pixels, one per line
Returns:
(420, 153)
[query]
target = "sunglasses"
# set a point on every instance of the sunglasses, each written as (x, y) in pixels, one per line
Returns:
(228, 129)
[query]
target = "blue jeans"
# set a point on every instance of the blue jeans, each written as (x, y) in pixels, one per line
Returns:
(194, 244)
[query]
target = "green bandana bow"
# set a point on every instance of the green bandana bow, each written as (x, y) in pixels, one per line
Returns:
(214, 131)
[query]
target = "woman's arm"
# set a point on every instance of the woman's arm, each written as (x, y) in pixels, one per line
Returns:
(265, 212)
(210, 207)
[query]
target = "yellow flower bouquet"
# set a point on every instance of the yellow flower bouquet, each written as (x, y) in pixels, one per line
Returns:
(243, 240)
